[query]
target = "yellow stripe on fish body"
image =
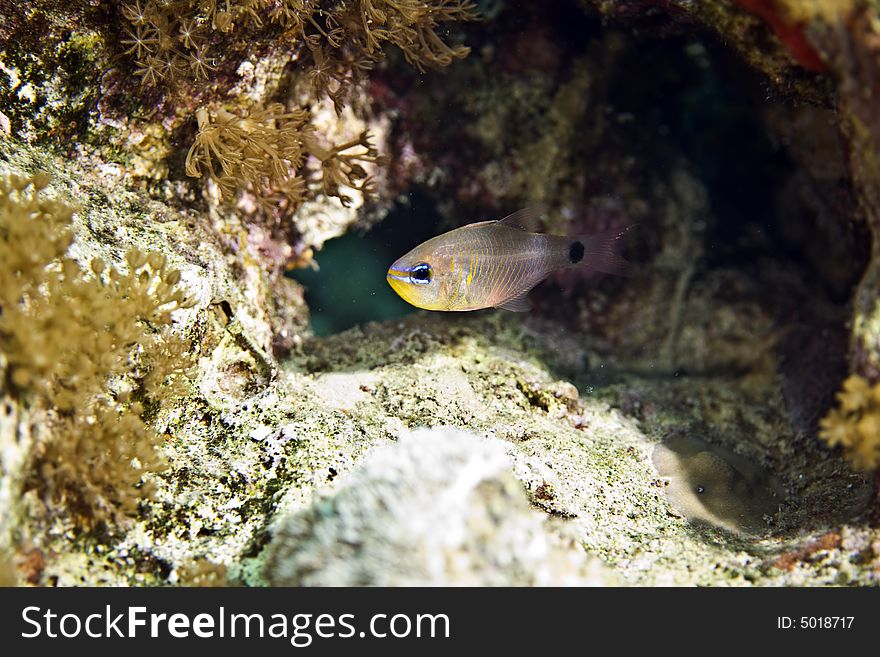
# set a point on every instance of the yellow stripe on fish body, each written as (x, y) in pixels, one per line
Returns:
(492, 263)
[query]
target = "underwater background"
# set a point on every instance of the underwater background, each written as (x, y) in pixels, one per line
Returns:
(206, 378)
(348, 285)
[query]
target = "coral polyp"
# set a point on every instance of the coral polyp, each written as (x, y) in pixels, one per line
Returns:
(90, 348)
(855, 423)
(265, 151)
(173, 39)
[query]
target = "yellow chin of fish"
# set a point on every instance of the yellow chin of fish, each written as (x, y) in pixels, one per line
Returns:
(410, 293)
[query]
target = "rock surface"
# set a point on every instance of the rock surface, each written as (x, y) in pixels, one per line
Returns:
(439, 507)
(717, 362)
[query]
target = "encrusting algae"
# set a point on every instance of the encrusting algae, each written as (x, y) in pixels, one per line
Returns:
(92, 349)
(855, 423)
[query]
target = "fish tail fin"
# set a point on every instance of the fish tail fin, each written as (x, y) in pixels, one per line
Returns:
(599, 252)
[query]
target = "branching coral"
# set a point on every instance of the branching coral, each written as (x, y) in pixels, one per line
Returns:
(170, 39)
(266, 150)
(342, 165)
(346, 38)
(93, 350)
(167, 40)
(855, 423)
(263, 149)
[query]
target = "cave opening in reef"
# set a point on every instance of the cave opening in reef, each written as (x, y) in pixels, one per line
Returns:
(740, 194)
(347, 286)
(747, 235)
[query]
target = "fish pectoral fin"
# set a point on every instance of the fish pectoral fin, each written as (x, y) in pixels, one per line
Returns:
(519, 303)
(524, 218)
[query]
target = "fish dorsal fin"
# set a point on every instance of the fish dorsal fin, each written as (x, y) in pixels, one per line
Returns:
(518, 303)
(522, 219)
(478, 224)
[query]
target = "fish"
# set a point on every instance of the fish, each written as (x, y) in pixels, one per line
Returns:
(494, 264)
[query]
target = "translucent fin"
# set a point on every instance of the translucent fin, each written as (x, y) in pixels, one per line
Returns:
(600, 253)
(478, 224)
(518, 304)
(523, 219)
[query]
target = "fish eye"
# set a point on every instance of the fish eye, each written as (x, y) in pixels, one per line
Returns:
(421, 273)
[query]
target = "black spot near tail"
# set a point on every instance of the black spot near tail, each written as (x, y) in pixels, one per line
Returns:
(576, 252)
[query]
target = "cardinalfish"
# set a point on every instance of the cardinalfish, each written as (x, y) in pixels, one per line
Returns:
(494, 264)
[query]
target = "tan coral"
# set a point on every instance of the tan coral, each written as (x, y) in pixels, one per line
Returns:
(265, 151)
(88, 350)
(168, 39)
(855, 424)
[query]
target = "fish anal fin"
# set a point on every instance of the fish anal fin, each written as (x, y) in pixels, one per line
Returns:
(523, 219)
(519, 303)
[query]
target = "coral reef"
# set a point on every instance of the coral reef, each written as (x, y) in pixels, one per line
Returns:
(262, 436)
(120, 370)
(92, 352)
(252, 76)
(695, 209)
(169, 417)
(172, 39)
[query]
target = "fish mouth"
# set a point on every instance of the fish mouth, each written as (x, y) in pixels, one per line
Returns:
(397, 272)
(397, 279)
